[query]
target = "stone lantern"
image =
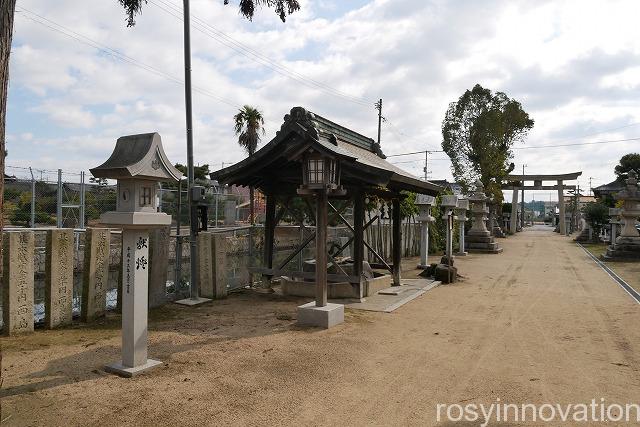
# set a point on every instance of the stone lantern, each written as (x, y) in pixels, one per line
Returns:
(627, 245)
(424, 204)
(614, 222)
(138, 163)
(461, 214)
(449, 203)
(479, 239)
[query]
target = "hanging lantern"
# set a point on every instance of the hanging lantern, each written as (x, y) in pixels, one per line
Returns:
(319, 171)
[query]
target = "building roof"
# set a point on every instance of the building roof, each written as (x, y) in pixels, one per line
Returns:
(361, 160)
(139, 156)
(610, 188)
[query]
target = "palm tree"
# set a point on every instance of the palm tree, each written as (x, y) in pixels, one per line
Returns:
(248, 126)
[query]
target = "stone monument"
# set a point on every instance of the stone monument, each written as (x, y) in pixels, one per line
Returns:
(626, 247)
(424, 204)
(17, 282)
(138, 163)
(479, 239)
(461, 215)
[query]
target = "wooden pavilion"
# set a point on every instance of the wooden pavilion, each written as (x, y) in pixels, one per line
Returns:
(351, 166)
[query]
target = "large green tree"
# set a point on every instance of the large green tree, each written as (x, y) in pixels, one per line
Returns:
(248, 124)
(478, 132)
(627, 163)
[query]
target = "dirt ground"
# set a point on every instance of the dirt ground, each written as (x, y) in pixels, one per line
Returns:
(537, 323)
(628, 271)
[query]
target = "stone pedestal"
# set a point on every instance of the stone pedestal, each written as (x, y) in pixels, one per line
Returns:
(158, 262)
(626, 247)
(135, 281)
(58, 285)
(17, 282)
(479, 239)
(96, 273)
(323, 317)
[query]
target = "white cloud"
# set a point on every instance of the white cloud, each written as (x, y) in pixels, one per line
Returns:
(573, 65)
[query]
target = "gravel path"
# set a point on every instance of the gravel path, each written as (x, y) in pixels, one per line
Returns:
(537, 323)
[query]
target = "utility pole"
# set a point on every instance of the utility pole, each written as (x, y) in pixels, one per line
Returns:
(379, 107)
(194, 290)
(590, 190)
(522, 203)
(426, 165)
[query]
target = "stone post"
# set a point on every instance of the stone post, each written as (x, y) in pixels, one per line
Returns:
(424, 202)
(461, 214)
(17, 282)
(561, 217)
(158, 262)
(205, 264)
(96, 273)
(513, 226)
(219, 251)
(449, 203)
(58, 285)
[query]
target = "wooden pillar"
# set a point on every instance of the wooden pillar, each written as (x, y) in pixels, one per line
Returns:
(397, 242)
(513, 226)
(269, 230)
(321, 248)
(358, 233)
(563, 222)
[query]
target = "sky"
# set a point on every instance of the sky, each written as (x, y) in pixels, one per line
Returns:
(79, 78)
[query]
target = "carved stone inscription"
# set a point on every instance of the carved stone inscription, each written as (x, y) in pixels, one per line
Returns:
(18, 282)
(96, 273)
(59, 278)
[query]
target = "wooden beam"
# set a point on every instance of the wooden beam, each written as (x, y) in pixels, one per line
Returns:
(303, 274)
(269, 229)
(358, 233)
(397, 242)
(382, 260)
(321, 248)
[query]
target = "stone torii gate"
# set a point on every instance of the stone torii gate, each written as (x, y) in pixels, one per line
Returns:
(518, 183)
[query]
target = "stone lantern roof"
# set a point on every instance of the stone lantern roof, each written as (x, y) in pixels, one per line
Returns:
(138, 156)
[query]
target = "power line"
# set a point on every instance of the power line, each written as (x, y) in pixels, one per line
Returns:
(61, 29)
(532, 147)
(241, 48)
(575, 144)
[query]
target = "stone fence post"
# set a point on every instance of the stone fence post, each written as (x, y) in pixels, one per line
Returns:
(17, 282)
(96, 273)
(58, 286)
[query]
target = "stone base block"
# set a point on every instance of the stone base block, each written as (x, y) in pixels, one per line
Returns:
(461, 253)
(192, 301)
(322, 317)
(124, 371)
(444, 272)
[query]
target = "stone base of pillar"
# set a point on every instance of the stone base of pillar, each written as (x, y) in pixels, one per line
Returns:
(323, 317)
(192, 301)
(464, 253)
(119, 369)
(497, 232)
(624, 249)
(481, 242)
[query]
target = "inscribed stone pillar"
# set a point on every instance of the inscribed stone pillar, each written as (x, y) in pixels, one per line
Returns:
(513, 226)
(219, 251)
(563, 222)
(96, 273)
(205, 264)
(17, 282)
(58, 286)
(158, 262)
